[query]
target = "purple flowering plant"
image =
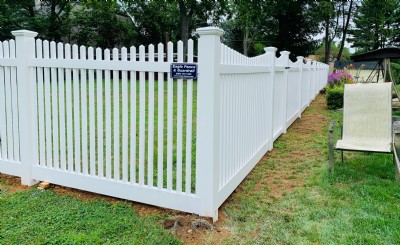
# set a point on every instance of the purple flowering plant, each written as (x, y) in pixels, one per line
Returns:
(339, 78)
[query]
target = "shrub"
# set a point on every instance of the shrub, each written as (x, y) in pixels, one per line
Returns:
(334, 97)
(395, 72)
(335, 89)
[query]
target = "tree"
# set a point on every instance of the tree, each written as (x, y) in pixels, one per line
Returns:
(287, 25)
(335, 49)
(50, 18)
(153, 20)
(330, 14)
(99, 23)
(57, 17)
(202, 11)
(295, 26)
(374, 24)
(6, 24)
(246, 23)
(345, 26)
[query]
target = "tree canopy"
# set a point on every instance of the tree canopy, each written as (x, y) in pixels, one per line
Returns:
(376, 24)
(249, 25)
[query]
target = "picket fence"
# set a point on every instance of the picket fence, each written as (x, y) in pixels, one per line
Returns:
(115, 123)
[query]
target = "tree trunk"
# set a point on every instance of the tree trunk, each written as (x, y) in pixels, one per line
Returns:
(246, 41)
(345, 28)
(53, 33)
(185, 34)
(185, 23)
(327, 42)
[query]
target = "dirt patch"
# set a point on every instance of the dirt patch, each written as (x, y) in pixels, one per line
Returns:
(285, 176)
(11, 184)
(192, 229)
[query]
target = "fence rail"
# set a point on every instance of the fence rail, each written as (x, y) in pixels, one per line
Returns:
(114, 122)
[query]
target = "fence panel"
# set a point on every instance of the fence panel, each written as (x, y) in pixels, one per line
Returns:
(86, 99)
(116, 123)
(305, 88)
(293, 94)
(9, 113)
(243, 105)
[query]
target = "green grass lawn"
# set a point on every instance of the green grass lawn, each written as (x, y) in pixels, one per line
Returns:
(43, 217)
(358, 204)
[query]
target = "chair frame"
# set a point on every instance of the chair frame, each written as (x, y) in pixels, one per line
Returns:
(332, 148)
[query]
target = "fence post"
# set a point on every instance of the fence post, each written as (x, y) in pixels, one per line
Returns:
(285, 59)
(208, 120)
(310, 78)
(300, 64)
(271, 52)
(25, 50)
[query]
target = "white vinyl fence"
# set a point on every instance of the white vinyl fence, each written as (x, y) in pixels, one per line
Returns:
(114, 122)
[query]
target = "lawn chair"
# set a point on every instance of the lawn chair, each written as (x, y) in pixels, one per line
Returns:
(367, 120)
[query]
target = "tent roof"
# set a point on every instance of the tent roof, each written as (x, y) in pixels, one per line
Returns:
(378, 54)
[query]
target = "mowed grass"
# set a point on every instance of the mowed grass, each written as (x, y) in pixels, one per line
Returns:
(358, 204)
(43, 217)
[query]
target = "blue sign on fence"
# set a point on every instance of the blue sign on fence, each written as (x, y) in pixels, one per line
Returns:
(183, 71)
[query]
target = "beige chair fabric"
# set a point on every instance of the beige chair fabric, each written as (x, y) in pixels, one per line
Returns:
(367, 117)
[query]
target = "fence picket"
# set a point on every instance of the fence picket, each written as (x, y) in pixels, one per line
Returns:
(100, 124)
(14, 89)
(160, 121)
(107, 91)
(8, 89)
(179, 126)
(189, 121)
(61, 102)
(47, 97)
(125, 134)
(76, 110)
(69, 110)
(54, 99)
(142, 119)
(3, 116)
(116, 152)
(92, 120)
(150, 147)
(84, 110)
(133, 130)
(170, 104)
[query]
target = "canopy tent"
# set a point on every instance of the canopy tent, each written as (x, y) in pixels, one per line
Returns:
(382, 56)
(377, 55)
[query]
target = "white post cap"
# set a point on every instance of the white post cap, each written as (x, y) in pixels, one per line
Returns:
(24, 33)
(270, 49)
(210, 30)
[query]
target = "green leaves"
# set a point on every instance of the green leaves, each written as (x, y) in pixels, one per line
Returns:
(376, 24)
